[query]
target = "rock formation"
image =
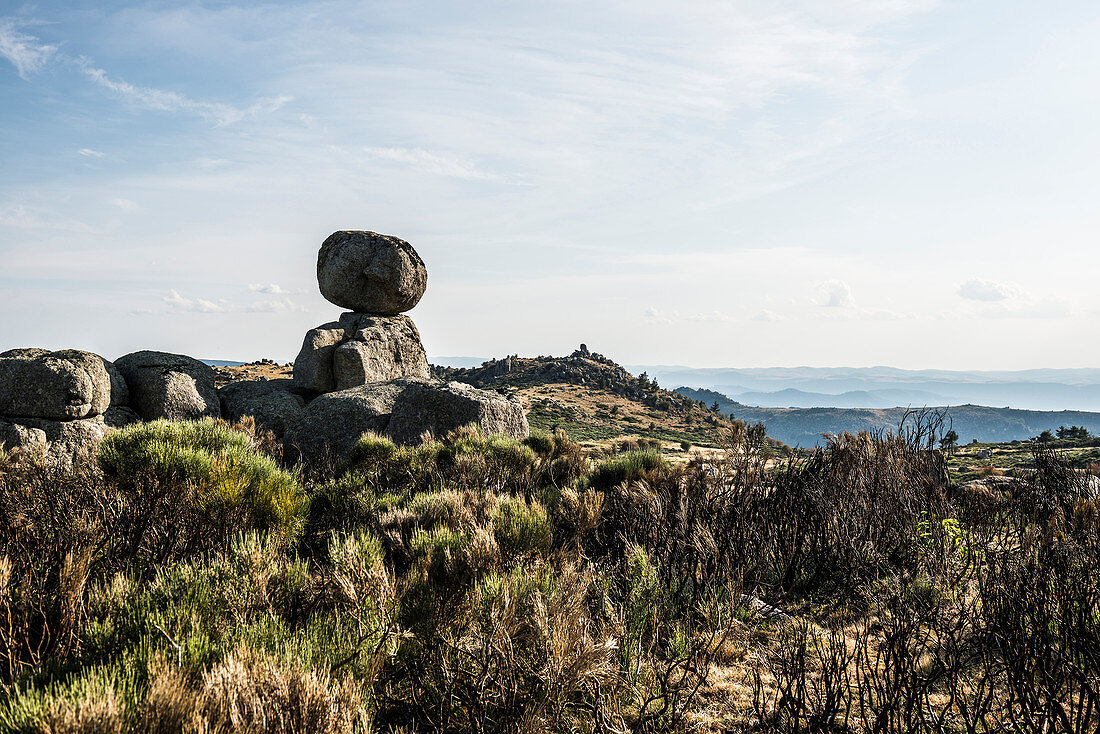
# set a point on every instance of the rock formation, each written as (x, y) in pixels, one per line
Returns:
(59, 403)
(370, 367)
(366, 371)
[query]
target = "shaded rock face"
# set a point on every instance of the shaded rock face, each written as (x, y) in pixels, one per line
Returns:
(274, 404)
(359, 349)
(68, 440)
(65, 385)
(367, 272)
(313, 365)
(173, 386)
(438, 407)
(331, 424)
(402, 409)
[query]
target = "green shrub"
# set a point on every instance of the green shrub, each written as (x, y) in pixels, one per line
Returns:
(232, 482)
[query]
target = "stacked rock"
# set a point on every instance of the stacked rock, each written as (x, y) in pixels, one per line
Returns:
(378, 278)
(368, 370)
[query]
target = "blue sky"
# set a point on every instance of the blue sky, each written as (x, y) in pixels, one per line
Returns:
(743, 184)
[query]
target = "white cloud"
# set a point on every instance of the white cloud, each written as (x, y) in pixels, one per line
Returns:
(656, 316)
(766, 315)
(194, 305)
(977, 289)
(89, 153)
(273, 289)
(835, 294)
(24, 51)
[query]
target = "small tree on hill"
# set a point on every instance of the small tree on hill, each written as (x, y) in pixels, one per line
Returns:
(949, 441)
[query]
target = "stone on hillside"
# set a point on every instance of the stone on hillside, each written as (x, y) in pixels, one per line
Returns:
(173, 386)
(273, 403)
(29, 440)
(331, 424)
(368, 272)
(438, 407)
(65, 385)
(380, 348)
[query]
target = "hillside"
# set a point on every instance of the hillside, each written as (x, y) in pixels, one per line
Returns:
(804, 426)
(594, 399)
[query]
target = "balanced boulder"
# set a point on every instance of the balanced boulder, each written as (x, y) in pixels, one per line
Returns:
(65, 385)
(173, 386)
(437, 407)
(368, 272)
(275, 404)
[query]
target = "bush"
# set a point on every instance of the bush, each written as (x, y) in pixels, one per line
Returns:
(232, 484)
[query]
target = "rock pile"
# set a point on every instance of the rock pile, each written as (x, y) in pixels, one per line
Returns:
(365, 371)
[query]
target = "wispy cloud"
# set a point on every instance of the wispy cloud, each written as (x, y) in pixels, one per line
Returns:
(432, 163)
(125, 205)
(273, 289)
(182, 304)
(89, 153)
(25, 52)
(158, 99)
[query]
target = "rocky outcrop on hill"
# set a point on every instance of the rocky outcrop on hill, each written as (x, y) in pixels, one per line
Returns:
(274, 404)
(436, 407)
(173, 386)
(65, 385)
(368, 370)
(404, 410)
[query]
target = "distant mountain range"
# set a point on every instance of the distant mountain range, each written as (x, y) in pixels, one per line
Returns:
(885, 387)
(804, 426)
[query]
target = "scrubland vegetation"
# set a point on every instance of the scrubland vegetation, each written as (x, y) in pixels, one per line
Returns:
(184, 579)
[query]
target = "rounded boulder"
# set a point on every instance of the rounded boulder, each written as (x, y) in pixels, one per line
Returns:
(370, 273)
(172, 386)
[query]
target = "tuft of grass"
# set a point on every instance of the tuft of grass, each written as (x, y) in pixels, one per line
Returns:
(626, 467)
